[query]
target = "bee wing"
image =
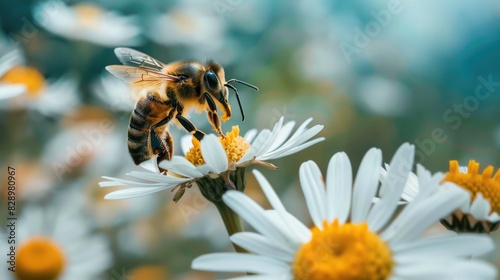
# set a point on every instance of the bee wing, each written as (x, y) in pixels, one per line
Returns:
(131, 57)
(139, 76)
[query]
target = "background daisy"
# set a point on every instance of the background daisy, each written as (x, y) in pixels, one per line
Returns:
(87, 22)
(54, 241)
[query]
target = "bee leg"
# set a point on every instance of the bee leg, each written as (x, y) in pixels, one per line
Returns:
(212, 114)
(157, 145)
(189, 126)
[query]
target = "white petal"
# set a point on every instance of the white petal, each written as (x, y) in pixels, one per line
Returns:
(314, 191)
(436, 247)
(258, 244)
(10, 91)
(429, 185)
(181, 166)
(265, 149)
(151, 165)
(300, 130)
(250, 135)
(120, 182)
(494, 217)
(272, 197)
(365, 185)
(447, 269)
(283, 152)
(213, 153)
(268, 190)
(397, 175)
(282, 135)
(426, 213)
(254, 215)
(186, 143)
(297, 233)
(339, 187)
(258, 146)
(165, 179)
(294, 144)
(232, 262)
(133, 192)
(480, 208)
(9, 60)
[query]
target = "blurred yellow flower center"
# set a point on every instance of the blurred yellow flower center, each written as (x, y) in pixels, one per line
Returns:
(476, 182)
(348, 251)
(28, 76)
(184, 21)
(39, 258)
(234, 145)
(87, 14)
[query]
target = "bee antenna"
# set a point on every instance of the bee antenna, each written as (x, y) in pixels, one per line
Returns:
(238, 98)
(243, 83)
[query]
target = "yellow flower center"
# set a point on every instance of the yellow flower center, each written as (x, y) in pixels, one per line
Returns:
(28, 76)
(87, 14)
(348, 251)
(39, 258)
(234, 145)
(476, 182)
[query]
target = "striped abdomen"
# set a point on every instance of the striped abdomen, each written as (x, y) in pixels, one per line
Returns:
(147, 112)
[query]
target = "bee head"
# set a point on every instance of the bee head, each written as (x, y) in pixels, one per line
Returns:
(214, 81)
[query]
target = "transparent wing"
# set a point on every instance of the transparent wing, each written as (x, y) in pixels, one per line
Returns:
(139, 76)
(131, 57)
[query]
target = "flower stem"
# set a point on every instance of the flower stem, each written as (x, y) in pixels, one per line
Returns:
(213, 189)
(232, 222)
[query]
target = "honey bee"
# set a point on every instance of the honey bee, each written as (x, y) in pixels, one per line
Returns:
(166, 93)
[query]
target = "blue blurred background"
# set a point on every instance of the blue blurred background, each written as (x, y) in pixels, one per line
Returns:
(375, 73)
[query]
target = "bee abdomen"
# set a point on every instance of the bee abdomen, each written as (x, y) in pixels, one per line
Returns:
(138, 134)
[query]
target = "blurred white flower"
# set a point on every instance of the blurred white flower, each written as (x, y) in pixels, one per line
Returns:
(188, 24)
(87, 22)
(55, 98)
(7, 61)
(352, 238)
(383, 97)
(55, 242)
(114, 93)
(215, 159)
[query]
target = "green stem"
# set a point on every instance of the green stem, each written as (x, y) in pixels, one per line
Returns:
(213, 189)
(232, 221)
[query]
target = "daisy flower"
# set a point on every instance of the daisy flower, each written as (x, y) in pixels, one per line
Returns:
(353, 238)
(220, 159)
(7, 62)
(55, 242)
(87, 22)
(481, 212)
(46, 97)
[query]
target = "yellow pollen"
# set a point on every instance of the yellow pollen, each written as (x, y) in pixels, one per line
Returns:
(476, 182)
(88, 14)
(28, 76)
(39, 258)
(234, 145)
(348, 251)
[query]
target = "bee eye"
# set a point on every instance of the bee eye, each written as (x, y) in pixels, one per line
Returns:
(211, 79)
